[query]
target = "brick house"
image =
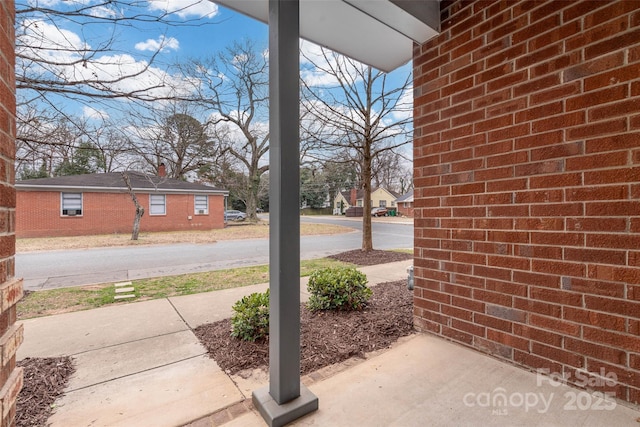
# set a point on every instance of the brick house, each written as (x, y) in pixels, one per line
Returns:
(101, 204)
(527, 185)
(405, 204)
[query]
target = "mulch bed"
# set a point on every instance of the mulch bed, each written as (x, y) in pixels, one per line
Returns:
(374, 257)
(44, 381)
(326, 337)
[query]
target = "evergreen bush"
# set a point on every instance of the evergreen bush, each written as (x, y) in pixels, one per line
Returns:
(338, 288)
(250, 320)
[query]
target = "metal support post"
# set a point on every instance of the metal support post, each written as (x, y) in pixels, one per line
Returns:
(285, 399)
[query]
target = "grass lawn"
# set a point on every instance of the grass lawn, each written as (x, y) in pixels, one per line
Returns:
(55, 301)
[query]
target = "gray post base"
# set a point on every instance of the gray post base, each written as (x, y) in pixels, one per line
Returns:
(279, 415)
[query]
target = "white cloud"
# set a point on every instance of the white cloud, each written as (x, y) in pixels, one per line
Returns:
(232, 134)
(315, 59)
(404, 108)
(48, 41)
(239, 59)
(162, 44)
(311, 60)
(92, 113)
(316, 78)
(102, 12)
(43, 3)
(150, 80)
(186, 8)
(61, 50)
(88, 7)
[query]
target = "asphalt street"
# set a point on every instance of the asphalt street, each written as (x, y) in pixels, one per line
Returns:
(56, 269)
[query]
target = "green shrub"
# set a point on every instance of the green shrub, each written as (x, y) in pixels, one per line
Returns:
(250, 320)
(338, 288)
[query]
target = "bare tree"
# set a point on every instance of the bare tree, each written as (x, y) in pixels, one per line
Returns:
(139, 208)
(174, 137)
(155, 182)
(100, 147)
(389, 170)
(227, 172)
(362, 115)
(234, 87)
(62, 139)
(338, 176)
(69, 52)
(113, 145)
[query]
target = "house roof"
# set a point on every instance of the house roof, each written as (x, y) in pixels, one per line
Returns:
(113, 182)
(407, 197)
(347, 195)
(393, 193)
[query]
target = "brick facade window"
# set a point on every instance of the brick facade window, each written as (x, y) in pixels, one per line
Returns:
(71, 204)
(201, 205)
(157, 204)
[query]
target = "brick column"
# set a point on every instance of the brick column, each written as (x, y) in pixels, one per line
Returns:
(10, 288)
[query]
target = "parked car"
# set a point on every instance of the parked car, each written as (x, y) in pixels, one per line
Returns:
(233, 215)
(379, 212)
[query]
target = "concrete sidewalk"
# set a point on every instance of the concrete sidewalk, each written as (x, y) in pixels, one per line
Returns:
(140, 364)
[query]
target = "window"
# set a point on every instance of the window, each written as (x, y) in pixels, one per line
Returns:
(157, 204)
(201, 205)
(71, 204)
(383, 203)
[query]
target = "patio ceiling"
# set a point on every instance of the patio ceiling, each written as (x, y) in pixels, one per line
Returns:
(379, 33)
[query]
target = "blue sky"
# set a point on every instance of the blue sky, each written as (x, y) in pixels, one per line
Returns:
(219, 32)
(229, 26)
(203, 29)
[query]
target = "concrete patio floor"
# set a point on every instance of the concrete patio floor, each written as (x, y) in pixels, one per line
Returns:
(424, 380)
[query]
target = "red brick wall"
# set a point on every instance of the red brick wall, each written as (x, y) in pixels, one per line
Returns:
(527, 184)
(106, 213)
(405, 208)
(11, 335)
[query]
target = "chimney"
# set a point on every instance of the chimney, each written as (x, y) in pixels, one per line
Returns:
(162, 171)
(354, 196)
